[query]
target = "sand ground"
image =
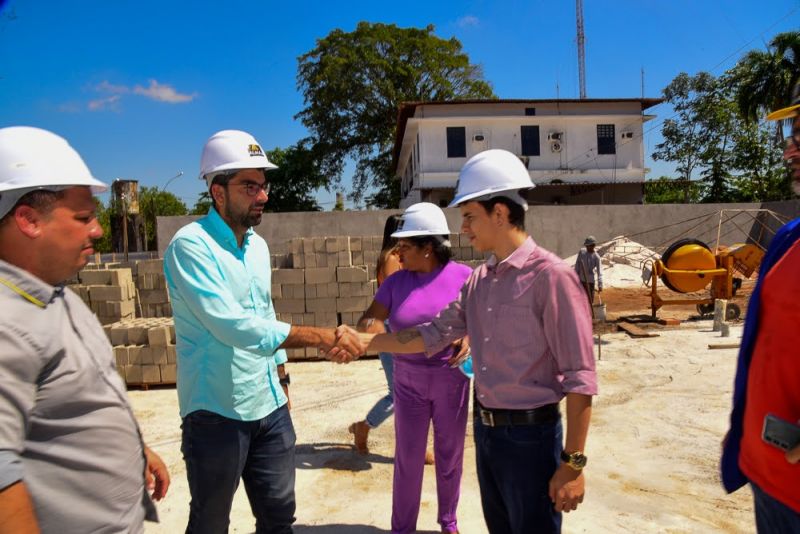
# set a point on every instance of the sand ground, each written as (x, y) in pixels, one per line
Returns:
(653, 446)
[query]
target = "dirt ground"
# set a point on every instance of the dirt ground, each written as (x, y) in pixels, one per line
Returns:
(653, 445)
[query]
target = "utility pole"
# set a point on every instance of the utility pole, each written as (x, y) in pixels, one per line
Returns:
(581, 46)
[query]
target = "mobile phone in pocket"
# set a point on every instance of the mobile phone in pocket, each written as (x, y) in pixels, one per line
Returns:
(780, 433)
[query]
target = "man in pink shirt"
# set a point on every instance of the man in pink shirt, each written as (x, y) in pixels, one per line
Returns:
(530, 332)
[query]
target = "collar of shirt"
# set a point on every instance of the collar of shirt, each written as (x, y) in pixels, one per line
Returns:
(223, 233)
(516, 259)
(28, 286)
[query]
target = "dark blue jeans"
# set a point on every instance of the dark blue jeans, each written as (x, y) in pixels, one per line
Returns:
(219, 451)
(515, 464)
(772, 516)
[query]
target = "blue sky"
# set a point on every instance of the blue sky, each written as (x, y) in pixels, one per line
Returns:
(137, 87)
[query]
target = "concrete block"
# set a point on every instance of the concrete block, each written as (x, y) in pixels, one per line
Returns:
(135, 354)
(345, 260)
(153, 296)
(331, 244)
(108, 293)
(121, 277)
(158, 336)
(332, 259)
(326, 319)
(309, 261)
(288, 276)
(150, 267)
(275, 291)
(151, 374)
(121, 356)
(352, 274)
(321, 305)
(358, 257)
(319, 244)
(159, 355)
(92, 277)
(298, 262)
(352, 304)
(355, 244)
(333, 289)
(133, 374)
(320, 275)
(119, 335)
(297, 246)
(290, 305)
(172, 354)
(311, 291)
(169, 373)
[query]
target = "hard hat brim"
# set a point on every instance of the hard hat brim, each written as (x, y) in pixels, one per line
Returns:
(485, 192)
(784, 113)
(236, 166)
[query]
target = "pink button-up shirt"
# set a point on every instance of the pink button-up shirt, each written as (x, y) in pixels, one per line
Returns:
(530, 330)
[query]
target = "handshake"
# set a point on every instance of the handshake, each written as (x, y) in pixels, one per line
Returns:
(348, 345)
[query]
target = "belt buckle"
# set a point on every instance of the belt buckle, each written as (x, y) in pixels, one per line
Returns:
(487, 417)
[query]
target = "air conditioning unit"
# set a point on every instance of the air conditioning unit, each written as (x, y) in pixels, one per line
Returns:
(555, 146)
(627, 135)
(555, 137)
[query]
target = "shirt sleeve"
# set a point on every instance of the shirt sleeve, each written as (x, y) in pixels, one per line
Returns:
(448, 326)
(19, 367)
(384, 294)
(192, 272)
(567, 325)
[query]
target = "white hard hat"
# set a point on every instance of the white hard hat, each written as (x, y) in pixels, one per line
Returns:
(492, 173)
(230, 150)
(32, 158)
(420, 219)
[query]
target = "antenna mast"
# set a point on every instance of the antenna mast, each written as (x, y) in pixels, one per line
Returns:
(581, 52)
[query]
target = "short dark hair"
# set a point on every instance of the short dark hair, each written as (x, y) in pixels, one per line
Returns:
(439, 244)
(390, 227)
(42, 200)
(516, 213)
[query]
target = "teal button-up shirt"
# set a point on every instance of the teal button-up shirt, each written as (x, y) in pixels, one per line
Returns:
(226, 331)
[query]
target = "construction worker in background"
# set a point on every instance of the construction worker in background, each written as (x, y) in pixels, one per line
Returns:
(530, 333)
(232, 385)
(71, 453)
(767, 385)
(586, 264)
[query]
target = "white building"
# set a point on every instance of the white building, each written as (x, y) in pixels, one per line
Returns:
(577, 151)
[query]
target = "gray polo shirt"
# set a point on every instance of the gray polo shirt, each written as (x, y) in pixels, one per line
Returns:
(66, 428)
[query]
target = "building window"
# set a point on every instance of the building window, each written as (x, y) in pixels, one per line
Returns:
(605, 139)
(530, 112)
(530, 140)
(456, 142)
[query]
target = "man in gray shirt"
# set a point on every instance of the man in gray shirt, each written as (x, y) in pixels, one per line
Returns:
(71, 454)
(587, 263)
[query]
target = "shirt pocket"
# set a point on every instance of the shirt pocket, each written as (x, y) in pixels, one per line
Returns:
(514, 327)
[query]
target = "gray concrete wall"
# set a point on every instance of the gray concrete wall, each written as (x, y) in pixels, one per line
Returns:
(557, 228)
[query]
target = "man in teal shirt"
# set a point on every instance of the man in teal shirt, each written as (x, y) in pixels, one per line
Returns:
(231, 385)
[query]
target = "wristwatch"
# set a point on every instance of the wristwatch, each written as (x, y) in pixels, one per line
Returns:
(576, 460)
(285, 380)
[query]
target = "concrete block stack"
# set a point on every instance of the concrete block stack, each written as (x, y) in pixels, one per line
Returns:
(152, 289)
(110, 293)
(144, 349)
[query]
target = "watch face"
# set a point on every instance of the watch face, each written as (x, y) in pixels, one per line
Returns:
(577, 460)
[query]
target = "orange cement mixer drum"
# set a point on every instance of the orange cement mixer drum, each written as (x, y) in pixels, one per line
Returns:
(687, 255)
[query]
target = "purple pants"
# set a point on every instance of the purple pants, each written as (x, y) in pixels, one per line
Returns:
(423, 394)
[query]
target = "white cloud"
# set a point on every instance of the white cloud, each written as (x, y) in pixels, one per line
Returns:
(101, 104)
(468, 21)
(163, 93)
(69, 107)
(106, 87)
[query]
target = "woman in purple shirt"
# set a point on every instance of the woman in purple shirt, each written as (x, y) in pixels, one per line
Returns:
(425, 389)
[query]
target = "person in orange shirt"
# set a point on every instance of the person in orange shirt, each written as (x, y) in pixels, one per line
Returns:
(768, 373)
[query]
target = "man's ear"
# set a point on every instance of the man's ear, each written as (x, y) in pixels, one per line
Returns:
(217, 194)
(28, 220)
(500, 213)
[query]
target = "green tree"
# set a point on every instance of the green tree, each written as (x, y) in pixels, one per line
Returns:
(666, 190)
(353, 83)
(294, 181)
(153, 203)
(758, 157)
(202, 205)
(103, 244)
(764, 79)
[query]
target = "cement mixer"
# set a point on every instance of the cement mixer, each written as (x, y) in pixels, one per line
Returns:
(689, 266)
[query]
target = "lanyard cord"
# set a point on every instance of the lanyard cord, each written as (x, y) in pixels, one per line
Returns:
(24, 294)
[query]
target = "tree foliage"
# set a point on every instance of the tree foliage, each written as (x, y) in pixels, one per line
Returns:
(764, 79)
(710, 139)
(352, 85)
(154, 202)
(666, 190)
(294, 181)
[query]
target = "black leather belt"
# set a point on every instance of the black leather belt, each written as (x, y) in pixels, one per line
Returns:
(543, 414)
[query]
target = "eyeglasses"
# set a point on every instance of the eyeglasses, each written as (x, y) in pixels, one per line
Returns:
(253, 189)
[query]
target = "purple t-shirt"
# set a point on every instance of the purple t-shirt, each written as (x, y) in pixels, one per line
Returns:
(414, 298)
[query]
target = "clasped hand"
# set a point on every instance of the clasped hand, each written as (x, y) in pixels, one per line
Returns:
(347, 347)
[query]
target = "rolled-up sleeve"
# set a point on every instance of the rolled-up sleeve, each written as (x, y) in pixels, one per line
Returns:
(448, 326)
(19, 367)
(568, 328)
(192, 272)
